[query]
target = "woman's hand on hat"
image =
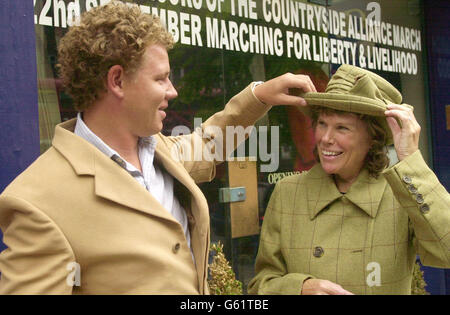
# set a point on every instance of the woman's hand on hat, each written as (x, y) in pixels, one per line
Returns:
(276, 91)
(406, 134)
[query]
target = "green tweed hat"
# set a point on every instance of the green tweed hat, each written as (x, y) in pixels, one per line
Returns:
(356, 90)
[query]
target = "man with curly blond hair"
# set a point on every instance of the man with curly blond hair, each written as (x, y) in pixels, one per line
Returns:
(109, 209)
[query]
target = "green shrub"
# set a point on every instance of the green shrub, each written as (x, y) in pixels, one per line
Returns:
(418, 284)
(222, 280)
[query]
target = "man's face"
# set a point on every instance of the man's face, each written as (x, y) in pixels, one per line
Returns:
(147, 93)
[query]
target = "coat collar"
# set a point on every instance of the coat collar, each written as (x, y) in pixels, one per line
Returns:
(366, 192)
(112, 182)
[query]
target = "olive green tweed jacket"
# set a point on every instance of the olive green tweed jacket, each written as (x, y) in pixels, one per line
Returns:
(365, 240)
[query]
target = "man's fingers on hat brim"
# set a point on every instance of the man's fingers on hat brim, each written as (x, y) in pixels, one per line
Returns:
(294, 100)
(304, 83)
(311, 84)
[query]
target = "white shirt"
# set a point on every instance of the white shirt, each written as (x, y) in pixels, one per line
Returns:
(155, 180)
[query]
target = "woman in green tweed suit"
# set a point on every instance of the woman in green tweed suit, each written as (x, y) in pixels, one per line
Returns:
(352, 225)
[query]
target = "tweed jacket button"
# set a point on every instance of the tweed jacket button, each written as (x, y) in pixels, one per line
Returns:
(412, 188)
(419, 199)
(176, 248)
(318, 252)
(424, 208)
(407, 179)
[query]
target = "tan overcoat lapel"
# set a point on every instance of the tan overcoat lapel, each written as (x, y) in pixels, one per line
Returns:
(112, 182)
(199, 235)
(176, 169)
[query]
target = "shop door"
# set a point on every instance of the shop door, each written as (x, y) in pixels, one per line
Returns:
(241, 218)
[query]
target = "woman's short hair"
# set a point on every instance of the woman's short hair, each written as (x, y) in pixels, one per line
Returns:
(376, 159)
(113, 34)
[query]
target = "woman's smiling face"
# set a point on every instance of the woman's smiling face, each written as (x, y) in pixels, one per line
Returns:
(343, 142)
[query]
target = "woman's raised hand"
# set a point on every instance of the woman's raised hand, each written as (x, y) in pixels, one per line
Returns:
(406, 134)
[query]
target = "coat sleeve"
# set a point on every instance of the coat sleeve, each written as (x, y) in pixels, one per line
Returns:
(207, 145)
(38, 260)
(427, 203)
(272, 276)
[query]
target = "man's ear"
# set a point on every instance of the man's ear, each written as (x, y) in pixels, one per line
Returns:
(114, 80)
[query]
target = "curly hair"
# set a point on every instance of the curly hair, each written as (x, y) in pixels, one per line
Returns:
(113, 34)
(376, 159)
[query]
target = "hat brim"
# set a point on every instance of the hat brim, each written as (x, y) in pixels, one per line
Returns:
(349, 103)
